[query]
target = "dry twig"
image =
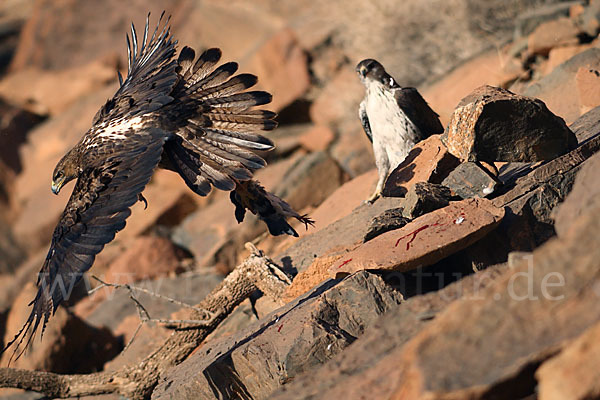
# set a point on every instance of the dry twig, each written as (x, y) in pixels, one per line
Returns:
(137, 381)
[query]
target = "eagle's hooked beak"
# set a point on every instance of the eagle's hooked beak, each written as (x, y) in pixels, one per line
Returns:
(56, 186)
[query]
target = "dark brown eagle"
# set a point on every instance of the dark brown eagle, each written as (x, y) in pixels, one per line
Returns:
(182, 114)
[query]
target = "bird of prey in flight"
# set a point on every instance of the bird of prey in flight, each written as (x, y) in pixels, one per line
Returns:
(181, 113)
(394, 118)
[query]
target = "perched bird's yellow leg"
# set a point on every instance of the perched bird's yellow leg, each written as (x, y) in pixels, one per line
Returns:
(376, 194)
(383, 173)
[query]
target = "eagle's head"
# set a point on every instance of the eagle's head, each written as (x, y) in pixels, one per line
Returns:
(65, 171)
(371, 70)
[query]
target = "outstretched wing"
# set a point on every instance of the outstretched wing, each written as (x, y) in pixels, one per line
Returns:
(97, 209)
(150, 76)
(215, 124)
(364, 120)
(418, 111)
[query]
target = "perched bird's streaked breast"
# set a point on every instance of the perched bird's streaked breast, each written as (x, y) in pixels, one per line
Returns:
(392, 129)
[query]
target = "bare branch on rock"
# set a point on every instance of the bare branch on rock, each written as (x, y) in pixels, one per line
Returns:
(137, 381)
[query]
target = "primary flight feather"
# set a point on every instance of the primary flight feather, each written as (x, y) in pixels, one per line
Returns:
(181, 114)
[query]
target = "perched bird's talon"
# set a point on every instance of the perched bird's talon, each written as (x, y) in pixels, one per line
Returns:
(374, 197)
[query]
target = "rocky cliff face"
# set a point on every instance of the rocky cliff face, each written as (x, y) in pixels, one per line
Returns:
(475, 277)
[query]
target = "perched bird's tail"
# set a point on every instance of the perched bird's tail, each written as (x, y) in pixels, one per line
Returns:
(250, 195)
(218, 129)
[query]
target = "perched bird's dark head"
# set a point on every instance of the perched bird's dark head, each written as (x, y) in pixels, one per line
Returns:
(372, 70)
(65, 171)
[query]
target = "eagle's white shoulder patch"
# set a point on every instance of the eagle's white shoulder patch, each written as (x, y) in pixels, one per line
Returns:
(115, 130)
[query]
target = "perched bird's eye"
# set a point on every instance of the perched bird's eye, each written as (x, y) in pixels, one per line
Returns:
(59, 175)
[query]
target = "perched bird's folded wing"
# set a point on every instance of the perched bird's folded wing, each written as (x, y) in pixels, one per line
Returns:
(364, 120)
(150, 76)
(418, 111)
(97, 209)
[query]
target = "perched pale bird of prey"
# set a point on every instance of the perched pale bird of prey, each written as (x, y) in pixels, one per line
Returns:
(181, 114)
(394, 118)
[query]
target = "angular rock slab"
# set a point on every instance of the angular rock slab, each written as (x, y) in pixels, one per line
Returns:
(470, 180)
(521, 321)
(587, 126)
(291, 340)
(344, 376)
(488, 344)
(66, 338)
(283, 64)
(584, 195)
(424, 197)
(345, 233)
(494, 124)
(530, 204)
(425, 240)
(574, 374)
(428, 161)
(15, 123)
(559, 32)
(344, 200)
(559, 91)
(588, 88)
(387, 221)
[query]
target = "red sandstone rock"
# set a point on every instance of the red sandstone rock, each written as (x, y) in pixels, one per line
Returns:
(65, 339)
(588, 88)
(558, 90)
(483, 336)
(282, 67)
(425, 240)
(315, 274)
(339, 100)
(147, 257)
(559, 32)
(428, 161)
(53, 92)
(584, 195)
(574, 374)
(345, 199)
(491, 68)
(559, 55)
(317, 138)
(494, 124)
